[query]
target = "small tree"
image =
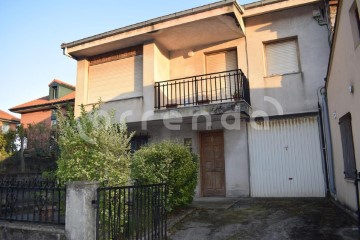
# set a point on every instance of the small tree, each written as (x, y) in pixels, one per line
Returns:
(171, 163)
(3, 153)
(92, 147)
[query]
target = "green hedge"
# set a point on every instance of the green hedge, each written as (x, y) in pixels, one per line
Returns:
(171, 163)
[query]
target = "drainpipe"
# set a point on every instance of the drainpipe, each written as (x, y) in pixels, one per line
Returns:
(357, 179)
(65, 52)
(328, 143)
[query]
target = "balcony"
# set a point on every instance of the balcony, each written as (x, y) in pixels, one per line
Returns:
(213, 88)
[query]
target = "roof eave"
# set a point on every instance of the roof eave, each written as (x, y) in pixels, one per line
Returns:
(153, 21)
(40, 106)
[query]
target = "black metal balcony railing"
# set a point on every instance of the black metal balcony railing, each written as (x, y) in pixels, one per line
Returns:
(202, 89)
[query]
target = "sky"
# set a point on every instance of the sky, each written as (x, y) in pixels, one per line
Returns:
(31, 32)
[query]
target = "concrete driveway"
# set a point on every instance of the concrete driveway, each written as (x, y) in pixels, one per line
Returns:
(265, 219)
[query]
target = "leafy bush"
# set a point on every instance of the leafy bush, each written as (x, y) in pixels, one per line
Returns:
(171, 163)
(39, 137)
(92, 148)
(3, 153)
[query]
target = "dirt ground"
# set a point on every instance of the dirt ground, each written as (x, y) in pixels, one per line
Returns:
(267, 219)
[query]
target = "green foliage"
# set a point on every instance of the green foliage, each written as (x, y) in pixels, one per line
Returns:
(39, 138)
(171, 163)
(7, 143)
(3, 153)
(10, 138)
(92, 148)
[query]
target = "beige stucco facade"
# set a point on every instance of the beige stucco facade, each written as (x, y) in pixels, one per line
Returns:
(294, 92)
(177, 46)
(343, 75)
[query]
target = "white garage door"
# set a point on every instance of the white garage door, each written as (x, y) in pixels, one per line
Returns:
(285, 160)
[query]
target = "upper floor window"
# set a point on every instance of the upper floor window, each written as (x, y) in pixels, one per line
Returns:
(55, 92)
(221, 61)
(282, 57)
(355, 23)
(5, 127)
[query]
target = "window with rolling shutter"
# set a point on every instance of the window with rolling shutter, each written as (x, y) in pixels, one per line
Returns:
(282, 57)
(221, 83)
(222, 61)
(347, 146)
(114, 80)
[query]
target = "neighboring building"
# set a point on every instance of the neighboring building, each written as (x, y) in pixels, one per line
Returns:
(343, 95)
(42, 110)
(192, 70)
(8, 122)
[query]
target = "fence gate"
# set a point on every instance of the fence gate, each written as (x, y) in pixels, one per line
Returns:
(131, 212)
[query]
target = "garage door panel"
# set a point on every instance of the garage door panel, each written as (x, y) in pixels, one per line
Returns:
(285, 160)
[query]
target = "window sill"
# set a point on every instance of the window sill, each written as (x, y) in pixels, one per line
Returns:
(281, 75)
(349, 180)
(117, 100)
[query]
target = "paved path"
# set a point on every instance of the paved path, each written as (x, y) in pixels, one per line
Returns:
(267, 219)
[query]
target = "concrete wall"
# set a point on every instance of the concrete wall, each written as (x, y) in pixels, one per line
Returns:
(236, 162)
(28, 231)
(344, 72)
(182, 65)
(294, 92)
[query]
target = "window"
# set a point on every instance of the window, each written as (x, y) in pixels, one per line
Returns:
(221, 61)
(54, 92)
(282, 57)
(5, 127)
(355, 23)
(347, 146)
(138, 141)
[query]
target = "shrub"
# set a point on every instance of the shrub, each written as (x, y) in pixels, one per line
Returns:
(170, 163)
(3, 153)
(92, 148)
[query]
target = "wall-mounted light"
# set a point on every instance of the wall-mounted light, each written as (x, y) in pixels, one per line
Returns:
(190, 53)
(351, 88)
(318, 15)
(334, 114)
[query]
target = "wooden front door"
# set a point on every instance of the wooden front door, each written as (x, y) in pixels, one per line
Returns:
(212, 164)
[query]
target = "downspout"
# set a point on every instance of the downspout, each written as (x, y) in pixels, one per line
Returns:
(328, 143)
(65, 52)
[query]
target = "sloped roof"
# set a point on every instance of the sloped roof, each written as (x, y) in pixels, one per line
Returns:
(62, 83)
(8, 117)
(44, 101)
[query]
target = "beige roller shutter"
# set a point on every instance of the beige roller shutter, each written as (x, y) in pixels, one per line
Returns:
(223, 61)
(282, 57)
(116, 79)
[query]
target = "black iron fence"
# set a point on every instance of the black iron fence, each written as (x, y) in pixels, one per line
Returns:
(202, 89)
(133, 212)
(32, 200)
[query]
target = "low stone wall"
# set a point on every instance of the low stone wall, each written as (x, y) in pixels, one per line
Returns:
(29, 231)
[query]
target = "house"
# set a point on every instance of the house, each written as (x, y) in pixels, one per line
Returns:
(8, 122)
(42, 110)
(237, 84)
(342, 94)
